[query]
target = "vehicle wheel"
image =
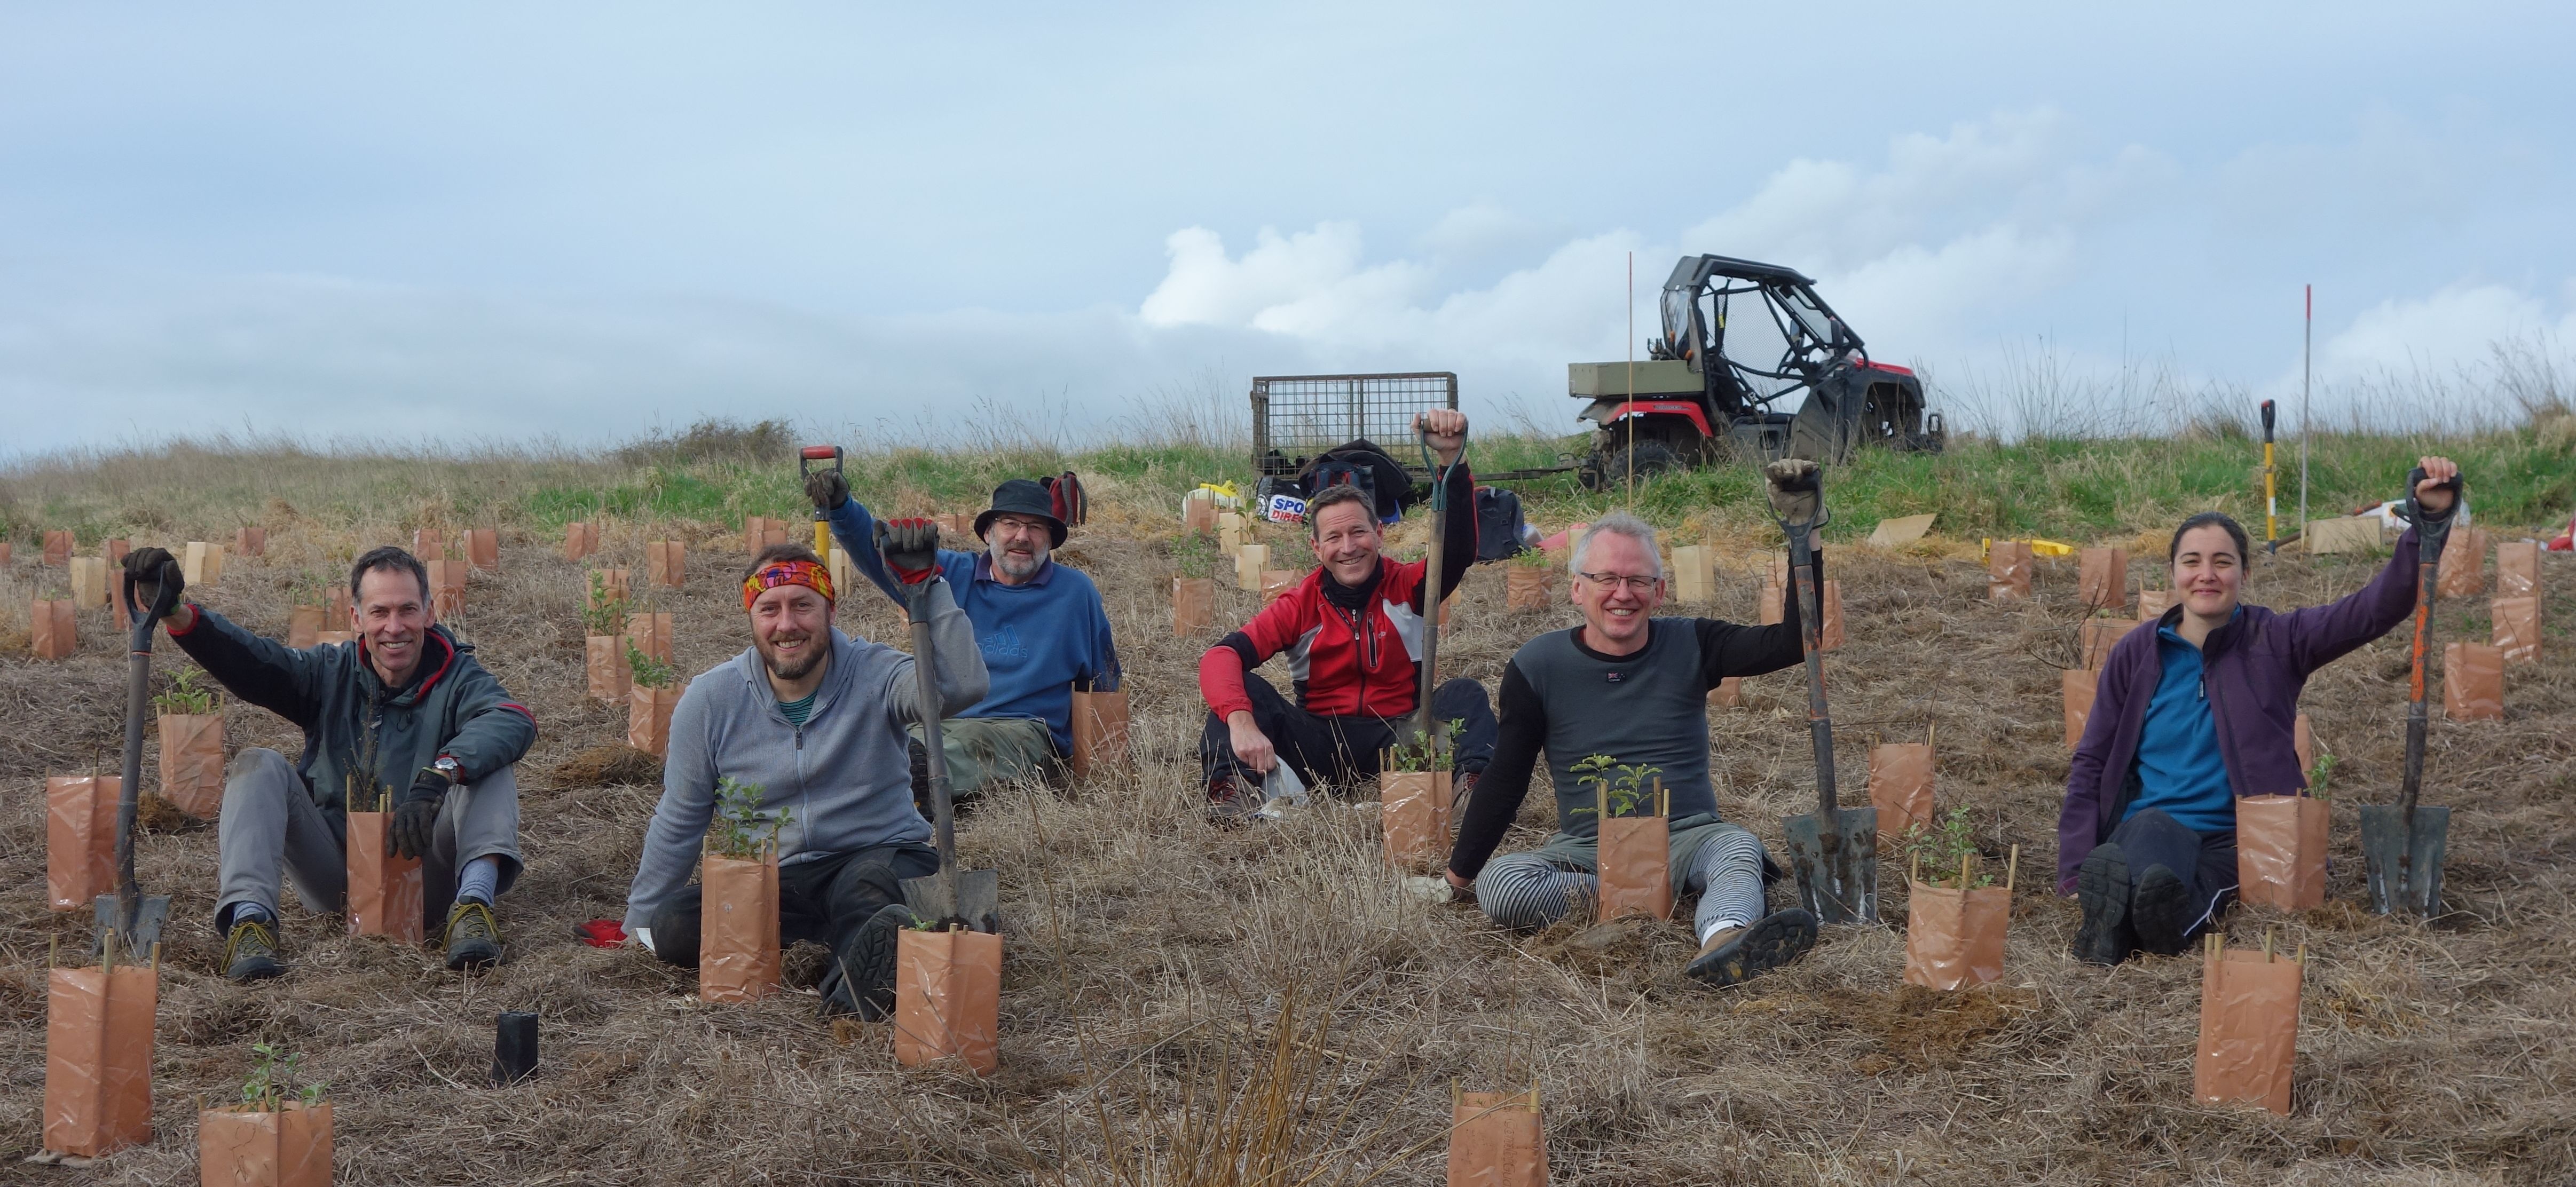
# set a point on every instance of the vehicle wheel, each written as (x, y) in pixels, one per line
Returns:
(1614, 464)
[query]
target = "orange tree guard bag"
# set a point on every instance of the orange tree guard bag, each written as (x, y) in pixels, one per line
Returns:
(580, 540)
(2463, 571)
(666, 562)
(2008, 567)
(1099, 731)
(2472, 682)
(192, 762)
(2079, 686)
(7, 549)
(2517, 628)
(2102, 578)
(1900, 787)
(648, 719)
(1525, 588)
(1275, 582)
(2281, 851)
(80, 839)
(612, 586)
(1496, 1139)
(258, 1148)
(1729, 693)
(738, 928)
(2518, 569)
(302, 624)
(651, 634)
(58, 549)
(2249, 1027)
(114, 550)
(1193, 605)
(384, 889)
(98, 1058)
(1954, 939)
(483, 549)
(1635, 864)
(2152, 604)
(89, 583)
(1413, 813)
(250, 541)
(604, 664)
(52, 633)
(428, 544)
(447, 586)
(947, 998)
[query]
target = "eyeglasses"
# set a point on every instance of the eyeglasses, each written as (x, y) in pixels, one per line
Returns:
(1636, 585)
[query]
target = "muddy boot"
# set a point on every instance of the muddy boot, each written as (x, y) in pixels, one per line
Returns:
(2102, 889)
(473, 937)
(2159, 911)
(1737, 954)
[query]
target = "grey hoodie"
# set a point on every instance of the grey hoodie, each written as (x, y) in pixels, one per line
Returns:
(845, 776)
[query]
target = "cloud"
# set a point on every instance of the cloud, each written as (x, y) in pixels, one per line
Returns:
(2450, 330)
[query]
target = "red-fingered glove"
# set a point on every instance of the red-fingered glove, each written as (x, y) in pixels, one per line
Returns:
(910, 548)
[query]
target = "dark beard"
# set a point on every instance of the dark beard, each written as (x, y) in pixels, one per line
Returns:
(798, 672)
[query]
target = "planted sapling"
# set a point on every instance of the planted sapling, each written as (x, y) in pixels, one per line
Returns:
(276, 1079)
(188, 694)
(1422, 755)
(1616, 784)
(604, 612)
(1950, 849)
(740, 832)
(649, 672)
(1194, 556)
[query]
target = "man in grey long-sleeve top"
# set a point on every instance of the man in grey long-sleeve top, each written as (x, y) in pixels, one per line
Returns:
(815, 721)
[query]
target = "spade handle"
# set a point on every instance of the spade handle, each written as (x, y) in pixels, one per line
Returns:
(1811, 612)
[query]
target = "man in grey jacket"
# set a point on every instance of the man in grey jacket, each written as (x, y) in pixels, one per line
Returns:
(403, 716)
(815, 721)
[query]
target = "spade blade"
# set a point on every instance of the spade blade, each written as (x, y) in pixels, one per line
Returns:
(2404, 867)
(1835, 859)
(977, 904)
(136, 936)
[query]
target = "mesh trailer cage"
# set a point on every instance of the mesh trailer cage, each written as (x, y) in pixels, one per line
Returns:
(1295, 417)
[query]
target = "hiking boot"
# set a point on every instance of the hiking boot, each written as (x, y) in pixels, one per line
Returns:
(2102, 889)
(1737, 954)
(473, 939)
(250, 952)
(861, 980)
(2159, 911)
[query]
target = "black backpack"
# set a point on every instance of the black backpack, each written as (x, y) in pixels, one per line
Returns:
(1498, 524)
(1363, 465)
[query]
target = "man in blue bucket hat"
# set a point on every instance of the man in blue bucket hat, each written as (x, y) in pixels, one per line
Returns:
(1040, 625)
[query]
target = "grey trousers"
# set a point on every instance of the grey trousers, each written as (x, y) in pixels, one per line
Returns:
(270, 825)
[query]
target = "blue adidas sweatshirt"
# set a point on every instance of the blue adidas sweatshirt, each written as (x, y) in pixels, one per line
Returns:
(1038, 637)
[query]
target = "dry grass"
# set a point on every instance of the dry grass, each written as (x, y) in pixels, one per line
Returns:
(1151, 957)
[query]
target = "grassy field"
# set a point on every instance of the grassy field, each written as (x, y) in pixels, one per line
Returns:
(1183, 1004)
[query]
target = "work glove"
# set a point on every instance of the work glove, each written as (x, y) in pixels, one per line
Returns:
(1795, 494)
(148, 565)
(827, 489)
(416, 814)
(910, 548)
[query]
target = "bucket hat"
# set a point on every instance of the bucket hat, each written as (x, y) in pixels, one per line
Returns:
(1021, 496)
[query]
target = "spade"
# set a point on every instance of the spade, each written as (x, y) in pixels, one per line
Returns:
(1833, 852)
(2401, 843)
(131, 916)
(951, 898)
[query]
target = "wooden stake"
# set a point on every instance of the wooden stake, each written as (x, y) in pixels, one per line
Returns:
(2303, 953)
(2267, 946)
(2012, 866)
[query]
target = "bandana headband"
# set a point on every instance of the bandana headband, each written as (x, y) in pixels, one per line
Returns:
(771, 576)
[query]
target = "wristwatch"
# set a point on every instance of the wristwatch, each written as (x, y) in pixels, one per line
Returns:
(449, 767)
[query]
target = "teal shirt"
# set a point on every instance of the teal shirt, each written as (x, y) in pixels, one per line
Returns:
(2180, 768)
(798, 710)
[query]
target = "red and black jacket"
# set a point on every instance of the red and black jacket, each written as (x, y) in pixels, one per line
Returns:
(1351, 651)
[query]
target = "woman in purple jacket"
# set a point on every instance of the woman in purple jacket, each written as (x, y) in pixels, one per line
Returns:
(2190, 715)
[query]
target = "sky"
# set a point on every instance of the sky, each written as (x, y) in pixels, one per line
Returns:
(491, 223)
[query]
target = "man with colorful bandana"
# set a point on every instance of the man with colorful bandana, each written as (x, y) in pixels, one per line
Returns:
(1041, 627)
(813, 721)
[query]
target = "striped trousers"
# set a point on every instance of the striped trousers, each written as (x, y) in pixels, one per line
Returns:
(1527, 891)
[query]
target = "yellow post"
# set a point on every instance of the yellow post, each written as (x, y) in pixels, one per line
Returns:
(2271, 503)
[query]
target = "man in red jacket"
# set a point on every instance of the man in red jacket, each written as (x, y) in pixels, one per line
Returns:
(1353, 631)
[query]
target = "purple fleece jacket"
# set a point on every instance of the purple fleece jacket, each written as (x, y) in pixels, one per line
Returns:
(2253, 669)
